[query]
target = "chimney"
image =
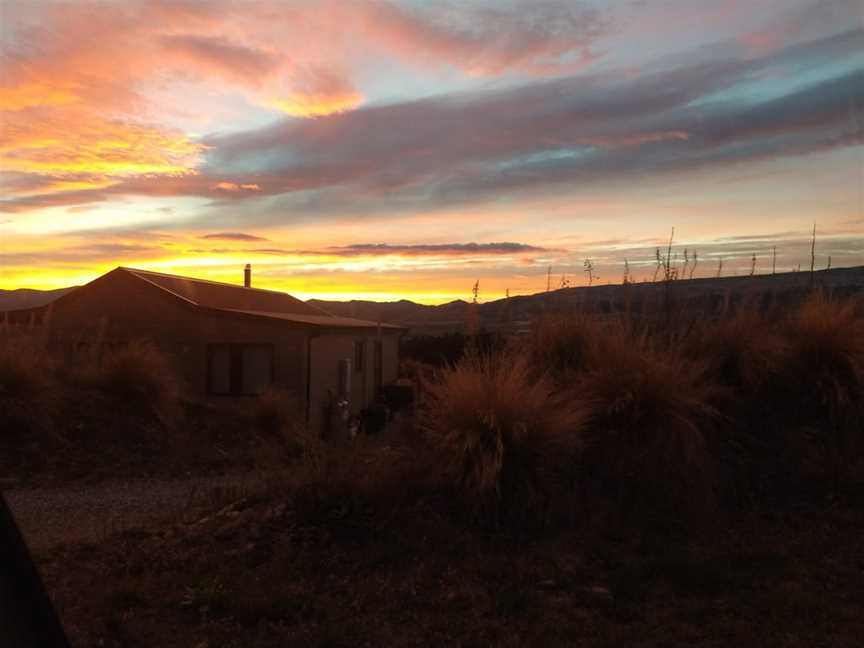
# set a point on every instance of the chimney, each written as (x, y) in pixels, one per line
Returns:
(247, 276)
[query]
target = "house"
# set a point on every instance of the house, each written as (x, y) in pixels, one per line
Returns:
(231, 340)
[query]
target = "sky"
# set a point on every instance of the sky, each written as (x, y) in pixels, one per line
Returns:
(387, 150)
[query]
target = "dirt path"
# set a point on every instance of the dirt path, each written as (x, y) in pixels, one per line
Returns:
(48, 516)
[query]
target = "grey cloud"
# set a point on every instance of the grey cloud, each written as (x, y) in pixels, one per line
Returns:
(383, 249)
(233, 236)
(367, 249)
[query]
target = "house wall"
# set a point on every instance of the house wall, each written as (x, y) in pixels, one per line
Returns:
(328, 351)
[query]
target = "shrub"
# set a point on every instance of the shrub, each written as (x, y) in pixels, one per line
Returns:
(498, 426)
(743, 351)
(142, 376)
(26, 382)
(648, 443)
(25, 370)
(564, 345)
(821, 385)
(280, 428)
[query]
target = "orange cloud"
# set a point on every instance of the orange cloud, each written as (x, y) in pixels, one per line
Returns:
(316, 105)
(51, 186)
(82, 144)
(30, 95)
(234, 187)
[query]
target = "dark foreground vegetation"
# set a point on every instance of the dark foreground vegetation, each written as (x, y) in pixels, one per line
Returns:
(675, 480)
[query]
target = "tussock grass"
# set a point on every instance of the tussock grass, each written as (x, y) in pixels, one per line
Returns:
(497, 425)
(27, 402)
(743, 351)
(140, 375)
(821, 382)
(564, 345)
(25, 368)
(651, 436)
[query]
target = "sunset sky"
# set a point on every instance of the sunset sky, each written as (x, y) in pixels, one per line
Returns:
(407, 149)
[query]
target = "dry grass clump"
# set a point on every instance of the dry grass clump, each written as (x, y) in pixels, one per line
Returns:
(648, 444)
(564, 345)
(138, 370)
(24, 368)
(26, 402)
(743, 351)
(821, 383)
(498, 427)
(824, 363)
(277, 410)
(280, 431)
(142, 376)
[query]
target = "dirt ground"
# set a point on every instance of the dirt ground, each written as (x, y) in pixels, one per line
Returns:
(91, 513)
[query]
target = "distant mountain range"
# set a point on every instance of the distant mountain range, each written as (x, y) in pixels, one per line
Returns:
(521, 310)
(518, 312)
(27, 298)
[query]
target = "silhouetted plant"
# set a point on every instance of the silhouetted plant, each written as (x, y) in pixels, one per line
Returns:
(648, 442)
(821, 384)
(498, 426)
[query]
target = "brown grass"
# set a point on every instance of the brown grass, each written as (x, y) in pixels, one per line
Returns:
(742, 351)
(651, 437)
(498, 425)
(564, 345)
(141, 376)
(27, 400)
(821, 386)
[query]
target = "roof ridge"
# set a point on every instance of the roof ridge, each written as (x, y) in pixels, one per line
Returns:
(143, 275)
(208, 281)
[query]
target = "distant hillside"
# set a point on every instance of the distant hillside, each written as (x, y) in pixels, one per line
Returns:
(519, 311)
(27, 298)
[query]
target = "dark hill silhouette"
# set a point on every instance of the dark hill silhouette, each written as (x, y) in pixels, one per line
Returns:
(27, 298)
(519, 310)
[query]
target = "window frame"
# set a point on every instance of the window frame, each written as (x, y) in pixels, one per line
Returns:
(359, 355)
(236, 366)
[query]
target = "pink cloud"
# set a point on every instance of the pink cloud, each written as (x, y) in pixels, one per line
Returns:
(234, 187)
(215, 55)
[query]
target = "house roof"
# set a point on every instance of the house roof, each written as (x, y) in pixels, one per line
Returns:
(248, 301)
(319, 320)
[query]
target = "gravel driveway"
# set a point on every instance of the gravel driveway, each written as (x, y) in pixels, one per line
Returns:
(48, 516)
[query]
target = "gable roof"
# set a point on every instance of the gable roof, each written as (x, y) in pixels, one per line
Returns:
(247, 301)
(214, 294)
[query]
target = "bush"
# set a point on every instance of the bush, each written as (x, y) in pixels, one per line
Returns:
(143, 377)
(743, 351)
(280, 429)
(648, 443)
(26, 402)
(498, 426)
(564, 345)
(821, 387)
(25, 370)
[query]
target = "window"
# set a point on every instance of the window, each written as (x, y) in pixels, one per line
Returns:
(239, 369)
(378, 365)
(359, 355)
(220, 370)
